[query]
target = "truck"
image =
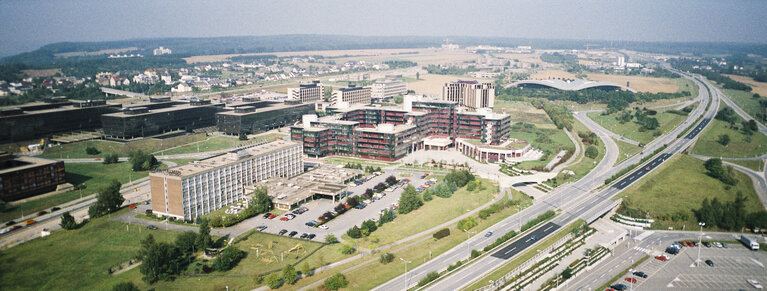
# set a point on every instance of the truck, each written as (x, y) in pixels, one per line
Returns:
(749, 242)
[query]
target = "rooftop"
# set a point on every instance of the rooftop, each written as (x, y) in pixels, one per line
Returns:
(9, 163)
(325, 179)
(386, 128)
(255, 110)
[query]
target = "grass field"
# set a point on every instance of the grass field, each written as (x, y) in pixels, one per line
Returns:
(687, 85)
(668, 121)
(431, 214)
(756, 165)
(548, 140)
(523, 111)
(758, 87)
(683, 180)
(213, 143)
(639, 83)
(745, 100)
(740, 145)
(92, 175)
(625, 150)
(524, 256)
(75, 260)
(77, 149)
(586, 164)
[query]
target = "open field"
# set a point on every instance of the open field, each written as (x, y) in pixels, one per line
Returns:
(745, 100)
(431, 84)
(639, 83)
(216, 143)
(552, 74)
(756, 165)
(41, 73)
(687, 85)
(77, 149)
(76, 260)
(587, 164)
(545, 139)
(684, 181)
(523, 111)
(668, 121)
(625, 150)
(740, 145)
(325, 53)
(758, 87)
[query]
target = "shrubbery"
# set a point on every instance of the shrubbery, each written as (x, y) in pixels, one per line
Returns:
(228, 258)
(431, 276)
(441, 233)
(467, 223)
(386, 258)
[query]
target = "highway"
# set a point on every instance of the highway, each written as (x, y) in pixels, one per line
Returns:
(580, 203)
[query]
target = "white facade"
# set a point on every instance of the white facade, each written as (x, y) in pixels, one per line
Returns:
(387, 89)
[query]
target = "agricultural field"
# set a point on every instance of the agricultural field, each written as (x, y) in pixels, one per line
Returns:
(639, 83)
(740, 145)
(745, 100)
(683, 179)
(758, 87)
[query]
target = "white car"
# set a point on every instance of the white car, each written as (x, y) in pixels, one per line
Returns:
(323, 226)
(754, 283)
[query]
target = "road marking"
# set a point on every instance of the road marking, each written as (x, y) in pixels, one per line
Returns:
(506, 253)
(547, 229)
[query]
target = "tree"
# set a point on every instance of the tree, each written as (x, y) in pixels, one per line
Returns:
(243, 136)
(261, 200)
(125, 286)
(92, 150)
(331, 239)
(228, 258)
(306, 270)
(159, 260)
(409, 200)
(592, 152)
(391, 180)
(467, 223)
(723, 139)
(347, 249)
(386, 258)
(68, 221)
(141, 161)
(427, 195)
(352, 200)
(108, 200)
(368, 193)
(111, 159)
(273, 280)
(354, 232)
(186, 242)
(335, 282)
(369, 225)
(204, 240)
(289, 274)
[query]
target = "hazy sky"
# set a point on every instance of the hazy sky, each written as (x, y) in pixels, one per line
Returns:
(28, 24)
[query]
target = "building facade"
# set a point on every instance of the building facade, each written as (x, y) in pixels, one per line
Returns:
(307, 93)
(24, 176)
(57, 115)
(148, 120)
(387, 89)
(351, 95)
(192, 190)
(250, 120)
(471, 94)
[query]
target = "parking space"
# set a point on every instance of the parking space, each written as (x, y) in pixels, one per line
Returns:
(339, 225)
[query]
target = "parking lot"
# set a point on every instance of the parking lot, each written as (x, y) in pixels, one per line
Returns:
(339, 225)
(732, 266)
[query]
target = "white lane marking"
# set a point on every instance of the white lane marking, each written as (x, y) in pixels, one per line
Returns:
(547, 229)
(506, 253)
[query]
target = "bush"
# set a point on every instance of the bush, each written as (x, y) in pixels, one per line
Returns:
(431, 276)
(368, 226)
(273, 280)
(228, 258)
(471, 185)
(111, 159)
(427, 195)
(331, 239)
(335, 282)
(125, 286)
(475, 253)
(453, 267)
(347, 249)
(534, 221)
(354, 232)
(92, 150)
(289, 274)
(441, 233)
(592, 152)
(386, 258)
(467, 223)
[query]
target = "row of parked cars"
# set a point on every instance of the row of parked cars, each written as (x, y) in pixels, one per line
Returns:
(426, 185)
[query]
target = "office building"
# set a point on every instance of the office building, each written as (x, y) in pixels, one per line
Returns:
(24, 176)
(471, 94)
(387, 89)
(195, 189)
(325, 181)
(351, 95)
(159, 117)
(307, 93)
(52, 116)
(252, 119)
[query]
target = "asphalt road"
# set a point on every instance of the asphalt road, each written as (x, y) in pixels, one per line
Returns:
(526, 241)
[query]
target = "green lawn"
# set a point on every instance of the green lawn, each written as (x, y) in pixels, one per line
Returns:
(687, 85)
(431, 214)
(75, 260)
(550, 141)
(77, 149)
(756, 165)
(745, 101)
(625, 150)
(92, 175)
(181, 161)
(668, 121)
(740, 145)
(522, 111)
(213, 143)
(584, 166)
(684, 181)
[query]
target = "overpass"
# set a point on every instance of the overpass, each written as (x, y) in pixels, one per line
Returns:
(116, 92)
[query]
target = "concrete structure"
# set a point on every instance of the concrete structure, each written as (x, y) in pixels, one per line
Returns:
(492, 153)
(471, 94)
(387, 89)
(264, 117)
(191, 190)
(324, 181)
(351, 95)
(570, 85)
(54, 115)
(161, 51)
(160, 116)
(307, 93)
(24, 176)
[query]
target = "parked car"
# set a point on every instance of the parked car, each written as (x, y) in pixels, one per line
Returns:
(707, 244)
(631, 280)
(323, 226)
(361, 205)
(30, 222)
(303, 235)
(132, 206)
(262, 228)
(148, 211)
(661, 258)
(284, 218)
(15, 227)
(310, 236)
(42, 213)
(724, 245)
(304, 209)
(152, 227)
(283, 231)
(10, 222)
(4, 231)
(292, 233)
(619, 287)
(754, 283)
(717, 244)
(55, 209)
(271, 216)
(310, 224)
(296, 212)
(710, 263)
(640, 274)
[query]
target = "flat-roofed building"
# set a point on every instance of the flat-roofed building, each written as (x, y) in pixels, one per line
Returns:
(351, 95)
(142, 121)
(307, 93)
(24, 176)
(250, 120)
(387, 89)
(191, 190)
(52, 116)
(471, 94)
(324, 181)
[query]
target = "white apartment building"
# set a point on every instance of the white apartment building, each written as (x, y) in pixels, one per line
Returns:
(351, 95)
(471, 94)
(195, 189)
(387, 89)
(307, 93)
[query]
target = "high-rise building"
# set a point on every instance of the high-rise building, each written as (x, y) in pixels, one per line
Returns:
(351, 95)
(471, 94)
(307, 93)
(387, 89)
(161, 51)
(191, 190)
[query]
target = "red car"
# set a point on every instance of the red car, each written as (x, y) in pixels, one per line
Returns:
(661, 258)
(284, 218)
(272, 216)
(632, 280)
(132, 206)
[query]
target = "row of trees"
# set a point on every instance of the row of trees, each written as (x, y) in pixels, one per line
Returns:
(718, 171)
(616, 100)
(730, 215)
(560, 115)
(261, 203)
(141, 161)
(449, 70)
(162, 260)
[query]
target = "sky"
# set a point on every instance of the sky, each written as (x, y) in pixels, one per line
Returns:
(25, 25)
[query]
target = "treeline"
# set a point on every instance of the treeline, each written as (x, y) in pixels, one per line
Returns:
(398, 64)
(726, 82)
(615, 100)
(12, 72)
(557, 58)
(730, 215)
(559, 114)
(451, 70)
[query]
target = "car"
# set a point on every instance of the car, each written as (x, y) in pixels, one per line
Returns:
(304, 209)
(533, 237)
(15, 227)
(718, 244)
(132, 206)
(284, 218)
(724, 245)
(42, 213)
(10, 222)
(754, 283)
(152, 227)
(55, 209)
(146, 202)
(310, 224)
(707, 244)
(266, 215)
(297, 211)
(710, 263)
(488, 234)
(361, 205)
(323, 227)
(30, 222)
(631, 280)
(271, 216)
(303, 235)
(283, 231)
(640, 274)
(261, 228)
(647, 169)
(310, 236)
(661, 258)
(292, 233)
(148, 211)
(619, 287)
(4, 231)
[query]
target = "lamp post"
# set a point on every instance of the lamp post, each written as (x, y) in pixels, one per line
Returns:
(406, 275)
(702, 224)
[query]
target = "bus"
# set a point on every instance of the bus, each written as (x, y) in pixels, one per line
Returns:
(749, 242)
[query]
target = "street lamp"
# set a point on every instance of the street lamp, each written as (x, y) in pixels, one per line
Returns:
(406, 275)
(702, 224)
